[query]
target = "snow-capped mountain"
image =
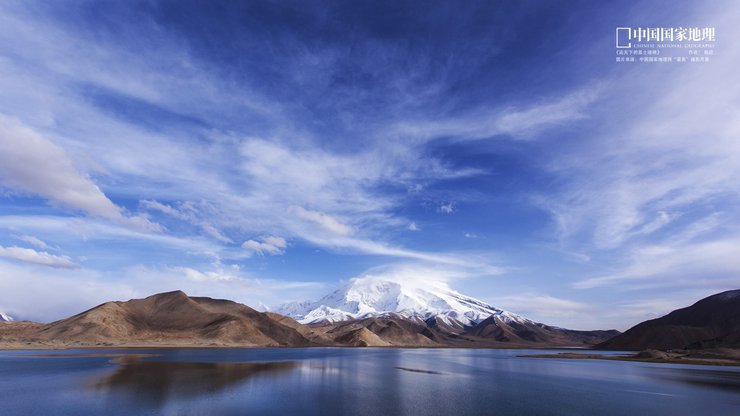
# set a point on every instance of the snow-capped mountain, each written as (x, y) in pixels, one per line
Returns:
(374, 296)
(5, 318)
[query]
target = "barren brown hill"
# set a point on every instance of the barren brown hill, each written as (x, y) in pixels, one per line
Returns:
(171, 318)
(528, 333)
(305, 330)
(361, 337)
(713, 322)
(389, 330)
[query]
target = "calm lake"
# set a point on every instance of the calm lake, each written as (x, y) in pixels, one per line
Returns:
(337, 381)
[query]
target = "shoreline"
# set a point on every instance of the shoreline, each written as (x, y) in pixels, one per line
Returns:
(568, 353)
(196, 346)
(670, 359)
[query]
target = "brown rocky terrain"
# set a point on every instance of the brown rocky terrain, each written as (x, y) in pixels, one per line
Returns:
(390, 330)
(496, 329)
(166, 319)
(713, 322)
(175, 319)
(395, 330)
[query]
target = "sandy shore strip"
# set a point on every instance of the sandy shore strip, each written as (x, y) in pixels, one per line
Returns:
(722, 358)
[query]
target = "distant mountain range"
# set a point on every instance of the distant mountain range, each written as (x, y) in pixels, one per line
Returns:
(365, 312)
(175, 319)
(378, 311)
(713, 322)
(5, 318)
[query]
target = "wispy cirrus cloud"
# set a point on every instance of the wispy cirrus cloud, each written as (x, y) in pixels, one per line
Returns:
(543, 306)
(189, 212)
(517, 122)
(655, 189)
(249, 181)
(71, 229)
(675, 265)
(327, 222)
(269, 245)
(34, 241)
(637, 179)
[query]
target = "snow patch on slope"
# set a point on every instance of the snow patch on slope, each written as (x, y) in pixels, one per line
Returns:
(5, 318)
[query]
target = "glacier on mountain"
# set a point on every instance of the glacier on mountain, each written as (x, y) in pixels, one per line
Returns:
(372, 296)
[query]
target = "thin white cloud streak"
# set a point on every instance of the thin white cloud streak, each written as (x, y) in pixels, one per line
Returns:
(529, 121)
(34, 241)
(327, 222)
(518, 123)
(670, 263)
(542, 306)
(32, 163)
(42, 258)
(90, 229)
(269, 245)
(188, 212)
(481, 263)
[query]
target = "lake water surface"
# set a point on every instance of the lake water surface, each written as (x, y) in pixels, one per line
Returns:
(353, 381)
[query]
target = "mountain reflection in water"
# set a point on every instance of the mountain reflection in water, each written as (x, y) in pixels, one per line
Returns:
(160, 381)
(727, 380)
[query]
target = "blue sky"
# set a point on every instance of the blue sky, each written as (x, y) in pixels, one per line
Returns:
(266, 151)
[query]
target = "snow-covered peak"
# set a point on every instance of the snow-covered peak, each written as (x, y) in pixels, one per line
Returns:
(376, 296)
(5, 318)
